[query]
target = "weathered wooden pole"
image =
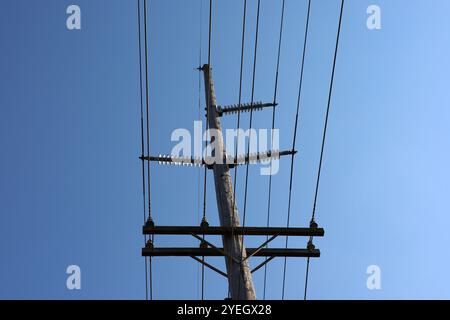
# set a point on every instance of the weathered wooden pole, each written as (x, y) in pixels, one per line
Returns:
(238, 271)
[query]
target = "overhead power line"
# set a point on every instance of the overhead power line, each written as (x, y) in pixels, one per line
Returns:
(324, 135)
(273, 127)
(204, 219)
(250, 121)
(142, 139)
(294, 139)
(244, 17)
(147, 102)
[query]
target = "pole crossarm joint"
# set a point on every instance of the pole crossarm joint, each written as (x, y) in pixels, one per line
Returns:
(205, 244)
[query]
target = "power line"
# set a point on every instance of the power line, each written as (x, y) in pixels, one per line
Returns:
(250, 125)
(273, 127)
(200, 82)
(327, 112)
(302, 65)
(199, 116)
(204, 220)
(324, 134)
(210, 32)
(306, 279)
(199, 107)
(207, 112)
(279, 53)
(148, 134)
(142, 139)
(239, 112)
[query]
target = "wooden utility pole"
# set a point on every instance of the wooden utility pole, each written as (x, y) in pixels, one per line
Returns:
(239, 275)
(236, 255)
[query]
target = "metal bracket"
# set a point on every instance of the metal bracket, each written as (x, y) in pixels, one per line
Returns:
(210, 266)
(260, 247)
(262, 264)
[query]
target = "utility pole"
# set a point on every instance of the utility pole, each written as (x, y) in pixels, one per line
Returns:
(238, 271)
(237, 257)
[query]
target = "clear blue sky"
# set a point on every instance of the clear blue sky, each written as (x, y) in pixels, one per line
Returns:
(70, 188)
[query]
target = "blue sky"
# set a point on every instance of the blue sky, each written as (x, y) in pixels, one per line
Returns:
(70, 188)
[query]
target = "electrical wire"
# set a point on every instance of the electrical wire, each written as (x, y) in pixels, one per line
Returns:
(250, 135)
(148, 136)
(238, 126)
(210, 32)
(142, 139)
(330, 93)
(302, 64)
(273, 127)
(206, 142)
(199, 108)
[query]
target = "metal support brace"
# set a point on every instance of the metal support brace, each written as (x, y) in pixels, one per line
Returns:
(262, 264)
(261, 247)
(209, 266)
